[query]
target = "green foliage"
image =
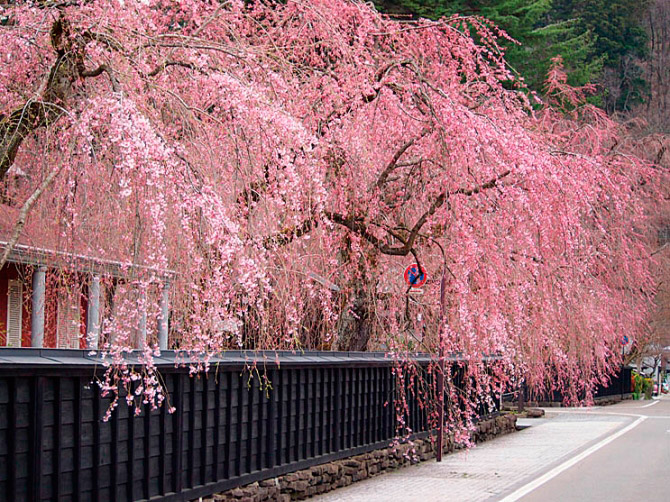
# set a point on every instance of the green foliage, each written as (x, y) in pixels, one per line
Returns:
(638, 385)
(599, 40)
(619, 40)
(643, 386)
(540, 34)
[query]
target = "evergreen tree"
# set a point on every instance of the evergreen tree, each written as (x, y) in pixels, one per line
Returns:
(541, 35)
(601, 41)
(619, 40)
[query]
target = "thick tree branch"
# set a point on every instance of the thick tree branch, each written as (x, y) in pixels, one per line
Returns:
(286, 236)
(19, 124)
(164, 65)
(38, 113)
(393, 164)
(103, 68)
(358, 226)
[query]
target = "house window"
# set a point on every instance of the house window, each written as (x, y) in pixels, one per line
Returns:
(68, 321)
(664, 235)
(14, 312)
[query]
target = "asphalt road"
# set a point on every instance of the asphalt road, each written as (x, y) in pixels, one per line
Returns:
(609, 454)
(633, 466)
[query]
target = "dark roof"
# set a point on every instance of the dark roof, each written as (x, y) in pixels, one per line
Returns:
(57, 358)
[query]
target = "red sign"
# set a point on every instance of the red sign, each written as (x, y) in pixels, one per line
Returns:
(414, 276)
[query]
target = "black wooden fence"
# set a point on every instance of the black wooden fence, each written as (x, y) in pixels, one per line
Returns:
(619, 385)
(226, 431)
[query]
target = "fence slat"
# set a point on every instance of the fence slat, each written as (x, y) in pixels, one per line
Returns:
(323, 425)
(203, 429)
(280, 378)
(240, 408)
(191, 432)
(114, 453)
(260, 442)
(337, 404)
(57, 446)
(37, 395)
(130, 466)
(248, 445)
(290, 405)
(147, 453)
(217, 427)
(228, 465)
(78, 384)
(304, 410)
(313, 410)
(178, 433)
(270, 449)
(162, 459)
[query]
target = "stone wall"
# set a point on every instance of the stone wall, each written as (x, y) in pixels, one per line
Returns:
(302, 484)
(598, 401)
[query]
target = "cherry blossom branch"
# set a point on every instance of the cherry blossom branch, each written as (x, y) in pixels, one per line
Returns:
(37, 113)
(25, 209)
(393, 164)
(103, 68)
(357, 225)
(166, 64)
(18, 125)
(287, 236)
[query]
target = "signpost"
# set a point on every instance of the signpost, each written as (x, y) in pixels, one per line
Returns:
(440, 373)
(626, 341)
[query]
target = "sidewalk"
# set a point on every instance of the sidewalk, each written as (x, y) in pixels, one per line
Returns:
(488, 471)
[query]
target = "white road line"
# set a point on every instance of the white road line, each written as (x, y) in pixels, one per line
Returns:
(526, 489)
(650, 404)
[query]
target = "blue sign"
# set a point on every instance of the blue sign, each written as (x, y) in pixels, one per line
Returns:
(414, 276)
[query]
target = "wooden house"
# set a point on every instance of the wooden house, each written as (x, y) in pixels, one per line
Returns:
(59, 306)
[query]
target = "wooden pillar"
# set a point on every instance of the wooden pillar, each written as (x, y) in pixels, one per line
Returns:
(93, 314)
(142, 325)
(163, 319)
(37, 313)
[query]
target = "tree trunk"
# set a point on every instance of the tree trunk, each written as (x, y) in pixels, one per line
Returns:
(354, 326)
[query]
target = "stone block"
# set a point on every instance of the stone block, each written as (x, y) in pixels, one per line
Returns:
(331, 468)
(298, 486)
